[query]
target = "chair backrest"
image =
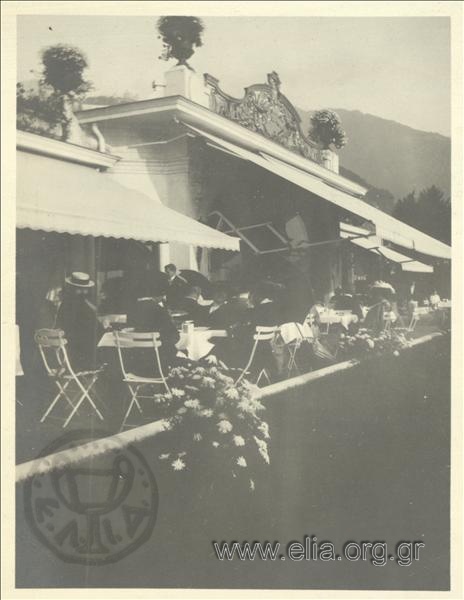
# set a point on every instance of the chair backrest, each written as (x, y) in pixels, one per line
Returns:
(262, 334)
(52, 348)
(127, 340)
(265, 334)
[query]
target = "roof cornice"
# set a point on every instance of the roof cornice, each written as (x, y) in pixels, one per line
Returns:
(194, 114)
(39, 144)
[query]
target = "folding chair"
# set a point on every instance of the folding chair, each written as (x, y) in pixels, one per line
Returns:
(302, 336)
(388, 319)
(262, 334)
(71, 385)
(136, 383)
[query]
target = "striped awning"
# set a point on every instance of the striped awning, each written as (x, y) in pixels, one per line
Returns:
(56, 195)
(369, 241)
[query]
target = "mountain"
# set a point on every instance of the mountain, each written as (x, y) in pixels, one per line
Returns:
(391, 156)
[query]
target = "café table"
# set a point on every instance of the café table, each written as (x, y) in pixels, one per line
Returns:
(196, 343)
(331, 317)
(444, 304)
(291, 332)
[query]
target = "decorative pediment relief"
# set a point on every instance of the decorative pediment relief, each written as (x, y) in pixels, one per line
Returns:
(265, 110)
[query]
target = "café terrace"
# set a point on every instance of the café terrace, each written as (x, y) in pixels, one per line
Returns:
(228, 188)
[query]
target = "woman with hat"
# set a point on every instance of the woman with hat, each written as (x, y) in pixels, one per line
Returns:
(77, 316)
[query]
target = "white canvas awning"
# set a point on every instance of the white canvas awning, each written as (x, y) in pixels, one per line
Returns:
(55, 195)
(365, 239)
(386, 226)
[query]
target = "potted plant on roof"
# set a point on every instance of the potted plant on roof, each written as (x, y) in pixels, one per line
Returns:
(326, 130)
(180, 36)
(63, 71)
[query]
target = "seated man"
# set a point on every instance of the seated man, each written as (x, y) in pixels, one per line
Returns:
(148, 315)
(341, 300)
(221, 314)
(189, 304)
(77, 316)
(177, 286)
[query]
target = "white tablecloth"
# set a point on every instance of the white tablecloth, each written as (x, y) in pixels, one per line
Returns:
(330, 317)
(444, 304)
(196, 344)
(295, 331)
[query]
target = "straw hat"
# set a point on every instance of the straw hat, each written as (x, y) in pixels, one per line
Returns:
(81, 280)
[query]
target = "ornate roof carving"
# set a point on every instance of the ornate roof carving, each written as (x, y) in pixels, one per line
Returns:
(267, 111)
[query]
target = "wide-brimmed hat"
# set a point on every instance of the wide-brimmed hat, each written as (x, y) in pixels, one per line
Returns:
(79, 279)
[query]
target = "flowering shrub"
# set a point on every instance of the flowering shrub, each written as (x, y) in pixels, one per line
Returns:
(365, 343)
(211, 418)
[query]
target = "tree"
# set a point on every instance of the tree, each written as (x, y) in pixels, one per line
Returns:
(180, 35)
(38, 111)
(430, 212)
(63, 70)
(62, 82)
(326, 129)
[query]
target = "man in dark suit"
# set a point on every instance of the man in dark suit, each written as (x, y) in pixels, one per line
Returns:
(189, 304)
(148, 315)
(77, 316)
(177, 286)
(221, 314)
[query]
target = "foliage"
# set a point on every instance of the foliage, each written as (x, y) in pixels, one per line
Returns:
(430, 212)
(63, 68)
(48, 110)
(326, 129)
(38, 112)
(180, 35)
(364, 343)
(209, 415)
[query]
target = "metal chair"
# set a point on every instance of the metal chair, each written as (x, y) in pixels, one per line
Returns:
(71, 385)
(262, 334)
(302, 336)
(135, 383)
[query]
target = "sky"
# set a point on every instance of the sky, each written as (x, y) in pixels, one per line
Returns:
(394, 67)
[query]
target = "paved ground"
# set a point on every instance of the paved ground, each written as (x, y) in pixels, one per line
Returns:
(362, 455)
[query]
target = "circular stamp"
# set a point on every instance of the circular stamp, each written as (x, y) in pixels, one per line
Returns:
(94, 511)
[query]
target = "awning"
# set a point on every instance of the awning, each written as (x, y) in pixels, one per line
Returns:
(387, 227)
(365, 239)
(54, 195)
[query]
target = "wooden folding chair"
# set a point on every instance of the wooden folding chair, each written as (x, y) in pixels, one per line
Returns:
(262, 334)
(74, 387)
(136, 383)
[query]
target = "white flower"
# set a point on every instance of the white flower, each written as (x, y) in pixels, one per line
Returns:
(208, 382)
(370, 343)
(164, 456)
(232, 393)
(252, 485)
(211, 359)
(262, 448)
(178, 465)
(264, 429)
(192, 403)
(182, 410)
(238, 440)
(207, 412)
(224, 426)
(241, 461)
(197, 437)
(177, 393)
(396, 353)
(215, 444)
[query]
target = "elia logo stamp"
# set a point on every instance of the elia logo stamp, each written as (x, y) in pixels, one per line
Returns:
(93, 511)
